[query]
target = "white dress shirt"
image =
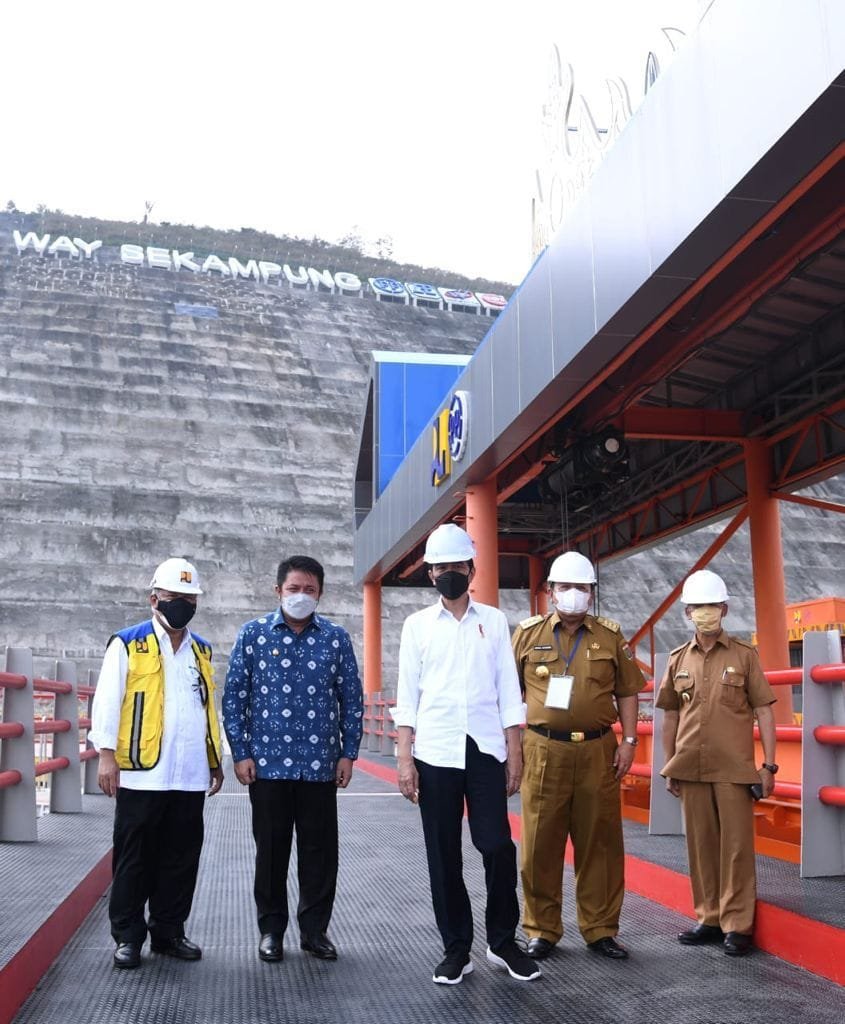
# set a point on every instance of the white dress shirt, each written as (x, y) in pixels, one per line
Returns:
(457, 678)
(184, 761)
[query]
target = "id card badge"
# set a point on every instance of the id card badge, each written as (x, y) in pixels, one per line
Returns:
(559, 692)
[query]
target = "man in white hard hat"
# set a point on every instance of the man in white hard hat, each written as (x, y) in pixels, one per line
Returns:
(578, 675)
(155, 725)
(712, 690)
(458, 713)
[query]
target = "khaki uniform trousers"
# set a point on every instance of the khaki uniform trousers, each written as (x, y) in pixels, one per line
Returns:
(569, 789)
(719, 820)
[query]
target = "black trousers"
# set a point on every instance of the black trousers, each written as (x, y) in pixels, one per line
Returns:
(442, 794)
(279, 806)
(157, 843)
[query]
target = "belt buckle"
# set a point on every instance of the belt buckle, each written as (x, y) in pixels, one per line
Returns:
(576, 737)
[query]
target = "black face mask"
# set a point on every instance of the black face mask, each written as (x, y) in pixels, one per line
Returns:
(177, 612)
(452, 584)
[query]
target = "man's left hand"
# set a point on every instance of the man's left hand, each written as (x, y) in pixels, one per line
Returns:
(513, 770)
(767, 781)
(623, 759)
(343, 772)
(216, 781)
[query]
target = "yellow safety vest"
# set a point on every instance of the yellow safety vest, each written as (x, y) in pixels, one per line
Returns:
(142, 714)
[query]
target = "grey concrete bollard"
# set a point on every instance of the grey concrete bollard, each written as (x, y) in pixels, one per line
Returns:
(18, 822)
(65, 783)
(91, 767)
(664, 815)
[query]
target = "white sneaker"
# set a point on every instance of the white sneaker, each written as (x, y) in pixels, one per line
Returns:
(518, 964)
(452, 968)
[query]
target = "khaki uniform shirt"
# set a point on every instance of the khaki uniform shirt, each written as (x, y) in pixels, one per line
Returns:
(603, 668)
(715, 694)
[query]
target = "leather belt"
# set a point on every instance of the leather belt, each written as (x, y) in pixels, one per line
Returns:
(569, 737)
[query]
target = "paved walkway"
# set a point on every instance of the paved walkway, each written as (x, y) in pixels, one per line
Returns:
(384, 929)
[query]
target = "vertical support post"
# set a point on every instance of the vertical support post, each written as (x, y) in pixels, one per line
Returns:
(483, 526)
(822, 827)
(536, 584)
(372, 637)
(767, 567)
(17, 803)
(91, 786)
(65, 784)
(664, 813)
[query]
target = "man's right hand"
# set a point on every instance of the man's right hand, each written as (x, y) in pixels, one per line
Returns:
(673, 786)
(245, 771)
(409, 780)
(108, 773)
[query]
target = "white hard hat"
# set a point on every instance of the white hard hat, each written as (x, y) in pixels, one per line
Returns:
(704, 587)
(571, 567)
(448, 543)
(178, 576)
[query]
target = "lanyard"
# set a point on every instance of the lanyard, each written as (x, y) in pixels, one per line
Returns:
(568, 660)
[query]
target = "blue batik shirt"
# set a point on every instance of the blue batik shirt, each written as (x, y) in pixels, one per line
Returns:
(293, 701)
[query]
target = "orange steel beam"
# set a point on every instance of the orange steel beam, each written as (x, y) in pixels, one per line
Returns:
(767, 566)
(675, 593)
(482, 525)
(536, 586)
(372, 637)
(728, 314)
(644, 422)
(760, 228)
(828, 506)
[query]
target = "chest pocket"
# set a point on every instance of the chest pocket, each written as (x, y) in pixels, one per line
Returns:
(601, 666)
(684, 685)
(544, 661)
(732, 690)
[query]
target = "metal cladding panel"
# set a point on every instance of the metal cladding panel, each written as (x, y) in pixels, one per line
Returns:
(535, 353)
(570, 258)
(506, 368)
(677, 178)
(478, 380)
(621, 258)
(781, 31)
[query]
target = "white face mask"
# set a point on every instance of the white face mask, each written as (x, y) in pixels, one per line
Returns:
(572, 601)
(299, 606)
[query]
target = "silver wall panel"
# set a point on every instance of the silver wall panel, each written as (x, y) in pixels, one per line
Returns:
(570, 257)
(534, 355)
(505, 367)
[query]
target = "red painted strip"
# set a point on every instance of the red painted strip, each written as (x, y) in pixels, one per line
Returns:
(29, 965)
(813, 945)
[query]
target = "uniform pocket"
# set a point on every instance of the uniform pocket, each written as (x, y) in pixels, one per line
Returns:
(602, 666)
(732, 690)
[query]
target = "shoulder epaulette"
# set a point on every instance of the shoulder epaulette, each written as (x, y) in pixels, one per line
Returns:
(678, 649)
(532, 621)
(608, 623)
(744, 643)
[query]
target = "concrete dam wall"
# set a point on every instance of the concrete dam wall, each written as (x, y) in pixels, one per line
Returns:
(130, 432)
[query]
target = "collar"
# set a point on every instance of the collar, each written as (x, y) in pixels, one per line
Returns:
(586, 624)
(278, 621)
(441, 609)
(164, 640)
(722, 639)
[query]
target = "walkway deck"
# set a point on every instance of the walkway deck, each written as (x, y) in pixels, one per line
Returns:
(388, 945)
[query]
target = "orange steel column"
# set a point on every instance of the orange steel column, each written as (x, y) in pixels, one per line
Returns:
(537, 586)
(767, 568)
(483, 526)
(372, 637)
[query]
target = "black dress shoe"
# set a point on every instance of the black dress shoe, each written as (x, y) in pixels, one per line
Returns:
(319, 946)
(701, 934)
(271, 948)
(127, 954)
(737, 943)
(539, 949)
(609, 947)
(179, 947)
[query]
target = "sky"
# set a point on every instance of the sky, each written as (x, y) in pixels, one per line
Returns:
(415, 121)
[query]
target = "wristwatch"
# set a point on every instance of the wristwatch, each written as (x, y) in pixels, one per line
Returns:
(630, 739)
(773, 768)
